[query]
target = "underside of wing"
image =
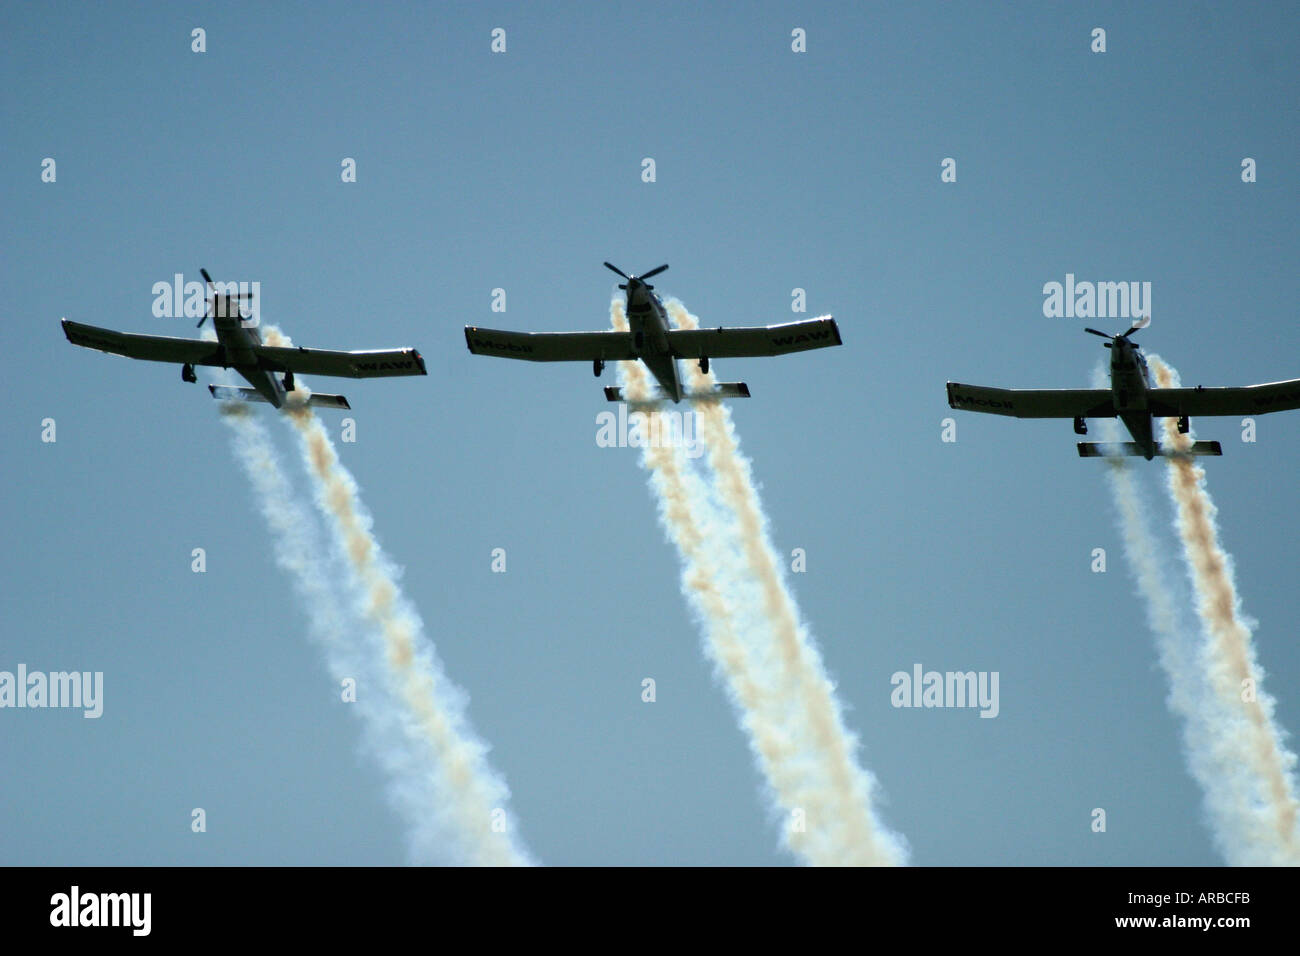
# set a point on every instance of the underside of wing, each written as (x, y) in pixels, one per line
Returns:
(1241, 400)
(153, 348)
(606, 346)
(1033, 402)
(366, 364)
(745, 342)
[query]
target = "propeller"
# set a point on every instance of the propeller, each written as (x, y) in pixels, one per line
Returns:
(653, 272)
(1139, 324)
(208, 279)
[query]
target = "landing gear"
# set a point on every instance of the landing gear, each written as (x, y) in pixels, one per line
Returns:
(597, 366)
(704, 365)
(288, 381)
(187, 373)
(1080, 426)
(1184, 425)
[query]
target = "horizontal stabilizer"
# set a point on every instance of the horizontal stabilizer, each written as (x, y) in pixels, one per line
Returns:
(236, 393)
(241, 393)
(321, 400)
(657, 394)
(1103, 449)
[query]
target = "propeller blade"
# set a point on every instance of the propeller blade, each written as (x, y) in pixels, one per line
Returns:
(1139, 324)
(1104, 335)
(653, 272)
(208, 279)
(614, 268)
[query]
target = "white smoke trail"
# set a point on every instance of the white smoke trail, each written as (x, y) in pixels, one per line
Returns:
(416, 718)
(849, 793)
(692, 523)
(1263, 766)
(300, 550)
(297, 544)
(1211, 756)
(773, 672)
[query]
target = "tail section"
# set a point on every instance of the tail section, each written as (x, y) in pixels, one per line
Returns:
(241, 393)
(614, 393)
(321, 400)
(1102, 449)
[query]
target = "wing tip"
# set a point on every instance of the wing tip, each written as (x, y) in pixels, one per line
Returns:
(72, 330)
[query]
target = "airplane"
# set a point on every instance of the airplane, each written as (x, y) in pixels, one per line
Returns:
(1132, 398)
(656, 343)
(240, 347)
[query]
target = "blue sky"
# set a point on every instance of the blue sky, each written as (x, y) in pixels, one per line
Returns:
(521, 171)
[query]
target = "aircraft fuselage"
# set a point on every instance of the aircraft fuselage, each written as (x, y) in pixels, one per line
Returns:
(1129, 382)
(240, 342)
(648, 323)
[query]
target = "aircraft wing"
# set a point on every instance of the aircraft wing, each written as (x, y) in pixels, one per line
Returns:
(744, 342)
(1243, 400)
(154, 348)
(608, 346)
(365, 364)
(1033, 402)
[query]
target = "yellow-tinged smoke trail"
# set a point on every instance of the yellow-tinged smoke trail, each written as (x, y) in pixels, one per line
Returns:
(1213, 761)
(772, 670)
(691, 521)
(441, 778)
(1234, 676)
(300, 550)
(297, 544)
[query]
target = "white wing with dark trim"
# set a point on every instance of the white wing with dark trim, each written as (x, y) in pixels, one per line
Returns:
(746, 342)
(606, 346)
(1033, 402)
(364, 364)
(153, 348)
(1240, 400)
